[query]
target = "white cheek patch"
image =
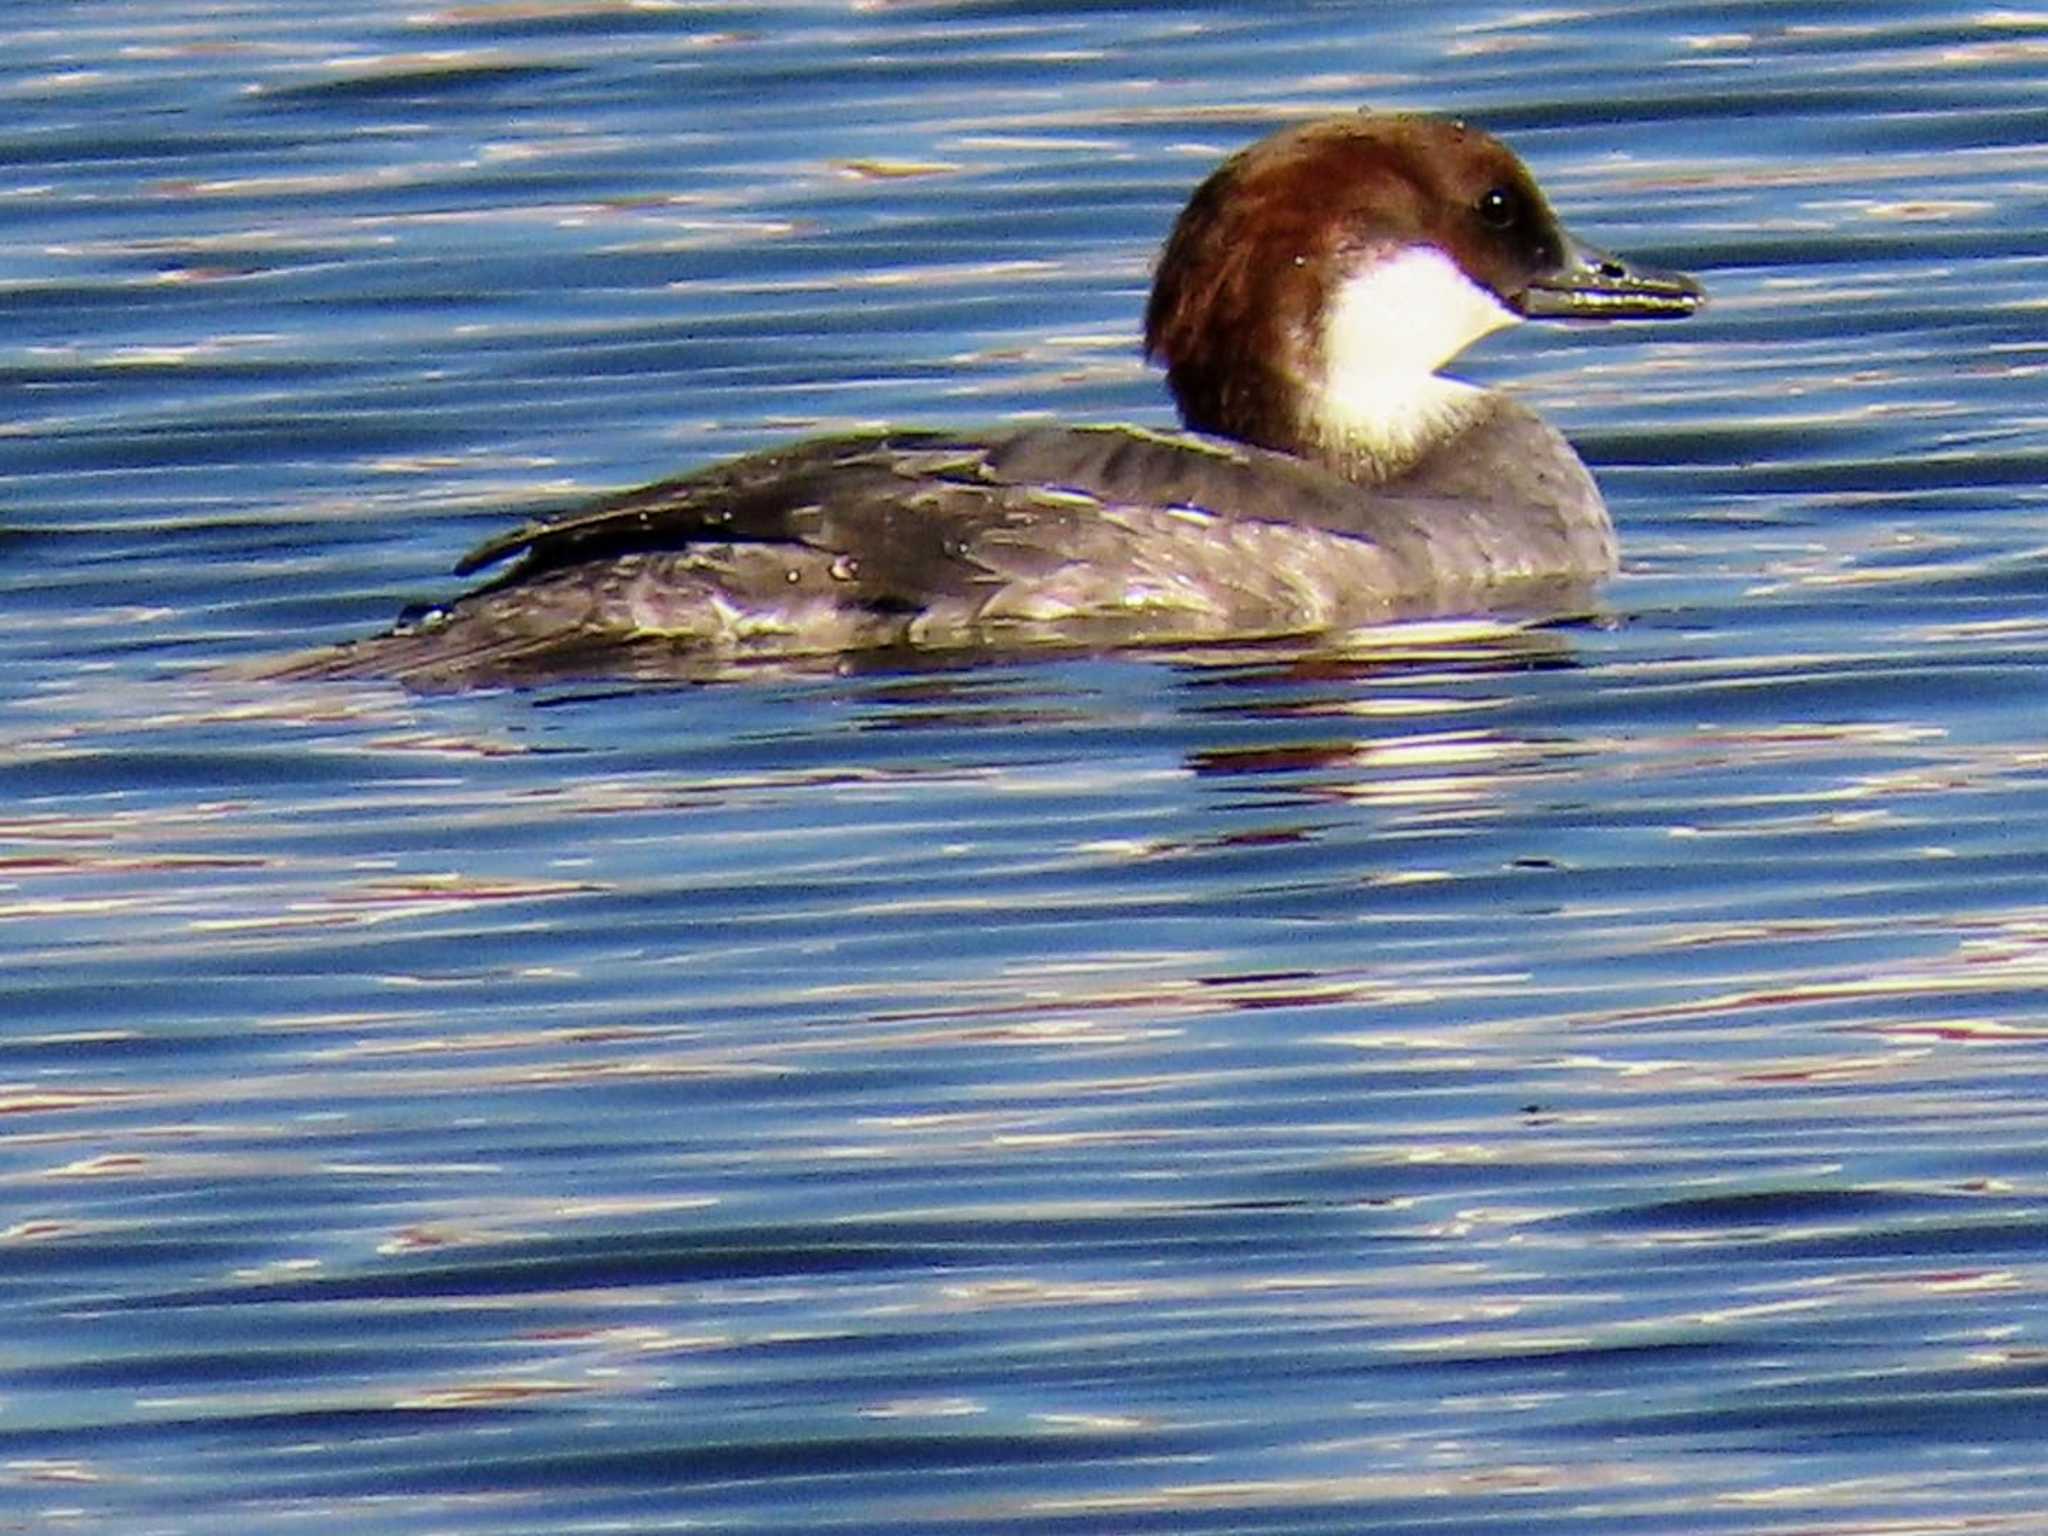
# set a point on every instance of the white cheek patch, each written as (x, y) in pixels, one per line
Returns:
(1407, 313)
(1387, 329)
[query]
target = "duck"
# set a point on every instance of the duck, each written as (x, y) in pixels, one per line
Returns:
(1326, 476)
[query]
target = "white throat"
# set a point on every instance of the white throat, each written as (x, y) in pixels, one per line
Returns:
(1388, 329)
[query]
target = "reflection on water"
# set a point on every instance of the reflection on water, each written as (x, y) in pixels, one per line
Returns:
(1582, 1078)
(1524, 1077)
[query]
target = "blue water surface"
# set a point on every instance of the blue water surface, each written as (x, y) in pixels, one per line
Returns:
(1580, 1081)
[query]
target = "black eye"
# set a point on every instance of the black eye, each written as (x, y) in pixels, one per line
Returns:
(1499, 208)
